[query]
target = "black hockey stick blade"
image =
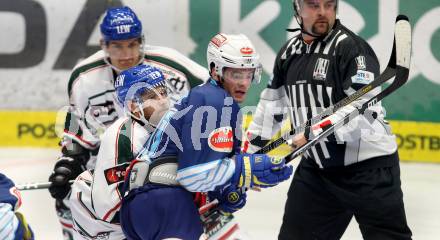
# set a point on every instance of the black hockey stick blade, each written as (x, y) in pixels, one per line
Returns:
(403, 60)
(387, 74)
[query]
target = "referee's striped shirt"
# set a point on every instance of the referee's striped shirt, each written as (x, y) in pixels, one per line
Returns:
(307, 78)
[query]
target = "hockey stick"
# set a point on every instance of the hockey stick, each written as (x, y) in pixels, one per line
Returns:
(386, 75)
(35, 185)
(402, 52)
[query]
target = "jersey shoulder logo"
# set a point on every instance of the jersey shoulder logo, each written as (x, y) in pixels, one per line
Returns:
(221, 139)
(361, 63)
(321, 67)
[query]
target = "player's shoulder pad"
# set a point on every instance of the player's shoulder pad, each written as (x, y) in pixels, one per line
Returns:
(165, 52)
(5, 182)
(96, 57)
(209, 95)
(178, 61)
(95, 60)
(197, 96)
(113, 130)
(353, 43)
(282, 52)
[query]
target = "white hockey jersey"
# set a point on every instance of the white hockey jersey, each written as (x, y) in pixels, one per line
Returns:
(96, 196)
(92, 98)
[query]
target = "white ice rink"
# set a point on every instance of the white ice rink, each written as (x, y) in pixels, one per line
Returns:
(260, 218)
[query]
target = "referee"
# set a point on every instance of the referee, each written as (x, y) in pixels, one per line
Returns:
(353, 172)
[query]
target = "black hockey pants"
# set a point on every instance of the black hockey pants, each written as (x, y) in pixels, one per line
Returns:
(321, 204)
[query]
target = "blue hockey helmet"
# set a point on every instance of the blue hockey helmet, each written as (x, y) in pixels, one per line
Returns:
(120, 23)
(131, 83)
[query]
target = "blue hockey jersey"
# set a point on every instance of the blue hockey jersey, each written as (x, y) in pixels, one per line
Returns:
(204, 131)
(12, 226)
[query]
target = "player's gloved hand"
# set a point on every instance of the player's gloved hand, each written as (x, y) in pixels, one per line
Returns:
(259, 170)
(65, 169)
(230, 198)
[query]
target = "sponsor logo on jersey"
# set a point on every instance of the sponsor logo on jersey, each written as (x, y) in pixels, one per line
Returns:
(361, 64)
(100, 113)
(362, 77)
(176, 81)
(246, 50)
(321, 67)
(221, 139)
(218, 40)
(115, 174)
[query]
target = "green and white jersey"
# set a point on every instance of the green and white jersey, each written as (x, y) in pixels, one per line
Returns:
(92, 98)
(96, 194)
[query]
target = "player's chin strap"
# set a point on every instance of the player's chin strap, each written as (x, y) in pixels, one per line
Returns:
(142, 117)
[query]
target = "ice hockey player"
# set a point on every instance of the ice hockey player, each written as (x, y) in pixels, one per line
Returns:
(13, 225)
(196, 148)
(93, 106)
(95, 197)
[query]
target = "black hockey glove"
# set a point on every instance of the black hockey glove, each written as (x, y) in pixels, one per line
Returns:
(65, 169)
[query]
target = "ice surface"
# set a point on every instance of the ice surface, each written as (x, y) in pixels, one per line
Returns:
(261, 218)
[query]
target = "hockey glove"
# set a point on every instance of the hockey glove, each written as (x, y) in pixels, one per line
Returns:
(259, 170)
(230, 198)
(65, 169)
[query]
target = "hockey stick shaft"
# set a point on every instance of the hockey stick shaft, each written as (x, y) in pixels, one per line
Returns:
(386, 75)
(35, 185)
(403, 54)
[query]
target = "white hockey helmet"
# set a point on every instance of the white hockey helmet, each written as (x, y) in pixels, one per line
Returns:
(233, 51)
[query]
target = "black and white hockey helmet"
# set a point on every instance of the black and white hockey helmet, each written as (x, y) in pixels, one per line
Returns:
(233, 51)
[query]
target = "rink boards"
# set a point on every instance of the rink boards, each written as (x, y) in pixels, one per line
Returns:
(417, 141)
